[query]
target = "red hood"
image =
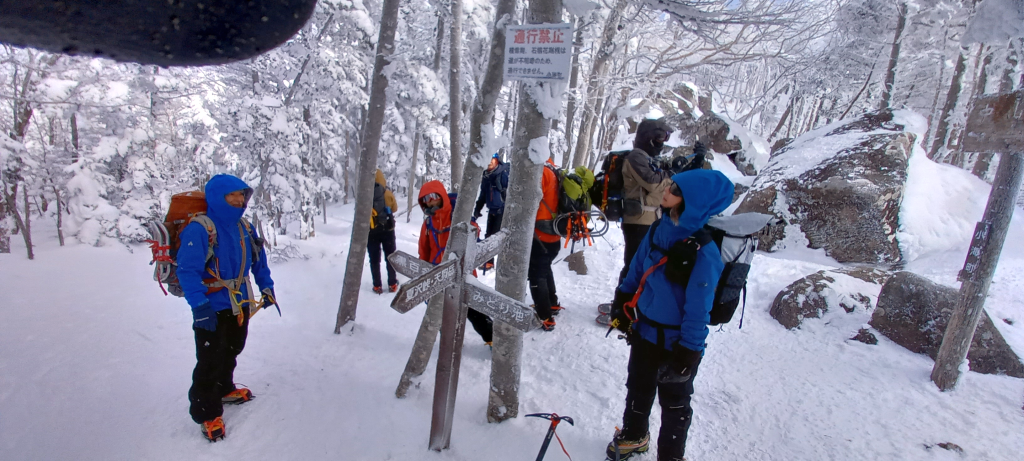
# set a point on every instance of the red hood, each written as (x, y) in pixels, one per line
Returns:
(436, 187)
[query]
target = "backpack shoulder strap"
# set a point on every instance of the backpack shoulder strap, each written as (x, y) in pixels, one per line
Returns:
(211, 230)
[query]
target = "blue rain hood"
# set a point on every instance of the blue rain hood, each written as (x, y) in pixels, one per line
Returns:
(706, 193)
(218, 209)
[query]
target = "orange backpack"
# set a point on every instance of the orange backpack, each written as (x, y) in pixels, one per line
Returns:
(185, 208)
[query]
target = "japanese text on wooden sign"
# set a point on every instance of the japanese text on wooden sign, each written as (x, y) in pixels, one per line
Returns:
(538, 51)
(978, 242)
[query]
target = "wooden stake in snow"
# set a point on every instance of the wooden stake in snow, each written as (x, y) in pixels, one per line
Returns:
(995, 124)
(463, 255)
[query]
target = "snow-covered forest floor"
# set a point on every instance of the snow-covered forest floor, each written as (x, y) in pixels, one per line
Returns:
(95, 363)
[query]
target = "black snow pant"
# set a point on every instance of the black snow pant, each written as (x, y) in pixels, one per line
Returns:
(646, 363)
(493, 223)
(374, 243)
(632, 234)
(542, 280)
(216, 353)
(482, 324)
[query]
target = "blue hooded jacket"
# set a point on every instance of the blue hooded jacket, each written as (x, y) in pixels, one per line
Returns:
(233, 250)
(706, 193)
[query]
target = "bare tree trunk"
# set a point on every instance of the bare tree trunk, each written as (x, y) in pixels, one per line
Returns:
(11, 198)
(440, 41)
(454, 96)
(783, 119)
(983, 160)
(60, 217)
(597, 72)
(410, 196)
(570, 111)
(942, 126)
(956, 341)
(520, 214)
(894, 56)
(367, 164)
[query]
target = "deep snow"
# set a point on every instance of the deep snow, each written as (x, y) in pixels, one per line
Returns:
(96, 363)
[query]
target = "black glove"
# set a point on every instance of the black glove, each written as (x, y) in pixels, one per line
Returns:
(270, 299)
(681, 367)
(678, 165)
(619, 319)
(699, 152)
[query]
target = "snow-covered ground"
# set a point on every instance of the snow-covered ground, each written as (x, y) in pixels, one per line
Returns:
(95, 363)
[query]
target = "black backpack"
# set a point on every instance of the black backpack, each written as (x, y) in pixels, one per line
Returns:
(736, 237)
(606, 193)
(382, 218)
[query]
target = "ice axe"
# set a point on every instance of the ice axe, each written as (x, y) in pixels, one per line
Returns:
(555, 419)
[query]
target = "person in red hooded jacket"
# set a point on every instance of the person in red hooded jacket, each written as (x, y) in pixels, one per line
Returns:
(546, 244)
(437, 222)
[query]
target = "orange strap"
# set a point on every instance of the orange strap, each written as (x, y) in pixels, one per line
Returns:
(643, 280)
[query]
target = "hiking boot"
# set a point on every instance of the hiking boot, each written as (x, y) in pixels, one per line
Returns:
(628, 448)
(548, 325)
(237, 396)
(378, 290)
(213, 429)
(555, 310)
(392, 288)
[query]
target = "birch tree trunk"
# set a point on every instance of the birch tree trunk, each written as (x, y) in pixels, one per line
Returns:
(454, 96)
(524, 195)
(570, 111)
(60, 218)
(894, 55)
(942, 125)
(367, 165)
(597, 71)
(410, 195)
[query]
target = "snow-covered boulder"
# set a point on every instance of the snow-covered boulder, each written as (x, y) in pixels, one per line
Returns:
(724, 136)
(850, 289)
(840, 187)
(913, 312)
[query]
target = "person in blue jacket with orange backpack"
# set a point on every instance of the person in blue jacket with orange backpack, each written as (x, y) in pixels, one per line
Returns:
(217, 287)
(663, 306)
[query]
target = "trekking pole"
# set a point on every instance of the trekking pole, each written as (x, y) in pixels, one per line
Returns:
(555, 419)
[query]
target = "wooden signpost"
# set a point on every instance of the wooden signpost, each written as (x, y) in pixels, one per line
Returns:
(459, 293)
(995, 124)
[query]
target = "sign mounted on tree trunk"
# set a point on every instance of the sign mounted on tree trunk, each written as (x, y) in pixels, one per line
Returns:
(538, 52)
(996, 124)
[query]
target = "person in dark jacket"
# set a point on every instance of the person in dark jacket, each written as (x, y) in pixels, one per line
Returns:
(493, 185)
(220, 294)
(671, 313)
(437, 224)
(382, 233)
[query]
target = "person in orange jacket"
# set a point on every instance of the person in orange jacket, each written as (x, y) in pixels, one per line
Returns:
(437, 221)
(546, 244)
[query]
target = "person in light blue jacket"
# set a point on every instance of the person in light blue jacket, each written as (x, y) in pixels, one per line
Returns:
(217, 287)
(663, 306)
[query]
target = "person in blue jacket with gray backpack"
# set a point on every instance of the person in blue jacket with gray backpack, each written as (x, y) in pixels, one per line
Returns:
(663, 307)
(217, 252)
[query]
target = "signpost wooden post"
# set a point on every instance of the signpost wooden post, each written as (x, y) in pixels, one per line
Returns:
(463, 255)
(995, 124)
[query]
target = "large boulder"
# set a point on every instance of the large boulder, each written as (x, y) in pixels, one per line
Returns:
(913, 312)
(849, 289)
(716, 133)
(841, 187)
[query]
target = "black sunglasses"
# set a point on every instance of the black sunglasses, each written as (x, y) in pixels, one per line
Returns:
(674, 190)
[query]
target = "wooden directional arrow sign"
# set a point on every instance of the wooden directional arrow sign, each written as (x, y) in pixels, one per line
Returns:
(425, 286)
(500, 307)
(996, 124)
(489, 248)
(409, 265)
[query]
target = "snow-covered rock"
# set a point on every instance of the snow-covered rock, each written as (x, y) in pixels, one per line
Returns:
(840, 187)
(851, 289)
(913, 312)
